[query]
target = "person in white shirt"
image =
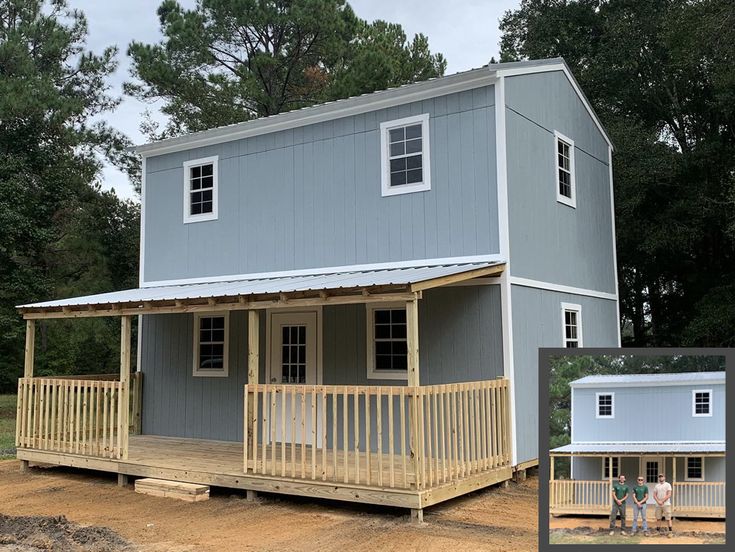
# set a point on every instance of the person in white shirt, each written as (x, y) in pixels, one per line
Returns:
(662, 496)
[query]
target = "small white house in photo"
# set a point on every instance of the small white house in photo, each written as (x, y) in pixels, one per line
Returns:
(645, 424)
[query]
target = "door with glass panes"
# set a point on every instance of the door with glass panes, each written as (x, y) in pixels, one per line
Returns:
(294, 340)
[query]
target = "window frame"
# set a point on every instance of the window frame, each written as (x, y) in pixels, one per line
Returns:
(614, 475)
(386, 189)
(694, 403)
(211, 373)
(188, 165)
(577, 308)
(372, 373)
(568, 201)
(686, 469)
(612, 405)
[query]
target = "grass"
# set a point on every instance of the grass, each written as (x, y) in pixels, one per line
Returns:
(7, 426)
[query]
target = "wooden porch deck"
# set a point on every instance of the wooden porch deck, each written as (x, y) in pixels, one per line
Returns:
(220, 463)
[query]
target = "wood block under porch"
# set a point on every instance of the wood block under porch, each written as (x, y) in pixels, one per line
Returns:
(220, 463)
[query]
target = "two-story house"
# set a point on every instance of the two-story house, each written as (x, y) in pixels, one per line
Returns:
(347, 300)
(644, 425)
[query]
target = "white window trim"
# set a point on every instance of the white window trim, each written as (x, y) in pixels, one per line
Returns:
(686, 469)
(578, 309)
(694, 403)
(196, 371)
(604, 475)
(597, 405)
(372, 373)
(188, 217)
(571, 202)
(423, 186)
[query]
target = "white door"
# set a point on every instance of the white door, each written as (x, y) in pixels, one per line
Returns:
(651, 466)
(294, 342)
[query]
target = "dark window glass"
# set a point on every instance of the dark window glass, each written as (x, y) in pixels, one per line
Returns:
(211, 342)
(391, 348)
(694, 467)
(406, 159)
(201, 184)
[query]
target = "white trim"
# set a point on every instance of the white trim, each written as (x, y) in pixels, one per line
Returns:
(711, 396)
(649, 443)
(576, 308)
(372, 373)
(188, 217)
(662, 383)
(329, 270)
(561, 66)
(602, 466)
(612, 404)
(527, 282)
(615, 244)
(686, 469)
(319, 337)
(569, 201)
(141, 262)
(506, 307)
(386, 189)
(196, 371)
(139, 355)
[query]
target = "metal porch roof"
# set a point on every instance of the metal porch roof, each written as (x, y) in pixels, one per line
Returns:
(408, 278)
(682, 447)
(649, 379)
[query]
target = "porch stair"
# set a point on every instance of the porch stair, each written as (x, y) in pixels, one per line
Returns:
(188, 492)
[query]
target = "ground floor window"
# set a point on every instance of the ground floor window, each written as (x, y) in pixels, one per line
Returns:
(694, 469)
(387, 345)
(606, 467)
(210, 344)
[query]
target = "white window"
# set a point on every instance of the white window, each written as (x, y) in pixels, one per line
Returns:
(605, 405)
(200, 189)
(694, 469)
(405, 163)
(566, 192)
(211, 341)
(387, 346)
(571, 325)
(615, 467)
(702, 402)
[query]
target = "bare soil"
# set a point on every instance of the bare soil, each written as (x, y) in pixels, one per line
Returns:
(107, 518)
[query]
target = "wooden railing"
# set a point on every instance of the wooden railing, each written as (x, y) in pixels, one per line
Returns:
(384, 436)
(572, 495)
(699, 498)
(76, 416)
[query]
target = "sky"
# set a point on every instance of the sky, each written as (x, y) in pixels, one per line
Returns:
(467, 35)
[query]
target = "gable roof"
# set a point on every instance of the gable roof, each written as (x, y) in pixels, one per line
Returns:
(652, 447)
(634, 380)
(465, 80)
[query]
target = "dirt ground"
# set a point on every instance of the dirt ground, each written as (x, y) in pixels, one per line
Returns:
(101, 517)
(594, 530)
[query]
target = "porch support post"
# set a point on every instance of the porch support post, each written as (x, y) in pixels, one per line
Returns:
(412, 341)
(551, 473)
(30, 348)
(415, 411)
(124, 403)
(673, 480)
(253, 376)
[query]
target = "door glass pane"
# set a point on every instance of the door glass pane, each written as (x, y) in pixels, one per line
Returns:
(293, 360)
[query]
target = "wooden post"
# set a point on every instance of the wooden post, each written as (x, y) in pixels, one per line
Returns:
(124, 399)
(253, 371)
(30, 348)
(415, 418)
(412, 342)
(673, 480)
(551, 476)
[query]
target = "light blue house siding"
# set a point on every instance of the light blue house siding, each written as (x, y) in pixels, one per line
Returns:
(310, 197)
(590, 469)
(459, 330)
(663, 413)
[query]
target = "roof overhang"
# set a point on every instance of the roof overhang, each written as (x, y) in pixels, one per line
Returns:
(317, 288)
(710, 448)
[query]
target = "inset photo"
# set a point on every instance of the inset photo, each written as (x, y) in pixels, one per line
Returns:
(637, 449)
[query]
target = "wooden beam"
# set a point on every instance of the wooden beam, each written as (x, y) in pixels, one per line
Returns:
(461, 277)
(253, 375)
(124, 403)
(551, 476)
(412, 341)
(30, 348)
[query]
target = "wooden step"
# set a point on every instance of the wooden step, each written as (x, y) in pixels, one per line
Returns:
(188, 492)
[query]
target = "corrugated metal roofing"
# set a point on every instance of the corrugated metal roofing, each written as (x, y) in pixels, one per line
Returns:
(283, 284)
(619, 379)
(642, 448)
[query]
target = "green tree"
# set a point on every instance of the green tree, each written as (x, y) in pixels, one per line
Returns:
(227, 61)
(660, 76)
(52, 145)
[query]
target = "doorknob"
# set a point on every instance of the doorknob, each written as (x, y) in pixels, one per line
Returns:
(273, 380)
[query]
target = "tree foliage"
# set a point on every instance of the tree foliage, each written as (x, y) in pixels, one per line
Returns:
(660, 75)
(227, 61)
(60, 234)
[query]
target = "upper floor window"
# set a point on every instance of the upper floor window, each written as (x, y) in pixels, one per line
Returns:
(615, 467)
(702, 402)
(605, 407)
(571, 320)
(405, 159)
(387, 342)
(566, 192)
(200, 189)
(211, 341)
(694, 469)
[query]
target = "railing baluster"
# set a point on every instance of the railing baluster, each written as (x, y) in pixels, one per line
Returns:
(313, 432)
(345, 434)
(391, 439)
(379, 427)
(283, 431)
(356, 400)
(402, 408)
(368, 440)
(335, 444)
(292, 441)
(324, 433)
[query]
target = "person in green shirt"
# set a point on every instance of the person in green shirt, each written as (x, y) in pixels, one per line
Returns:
(619, 495)
(640, 497)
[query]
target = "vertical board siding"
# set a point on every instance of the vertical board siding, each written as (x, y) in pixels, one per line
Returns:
(311, 197)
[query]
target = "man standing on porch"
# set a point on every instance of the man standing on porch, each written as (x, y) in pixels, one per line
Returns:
(619, 495)
(640, 496)
(662, 496)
